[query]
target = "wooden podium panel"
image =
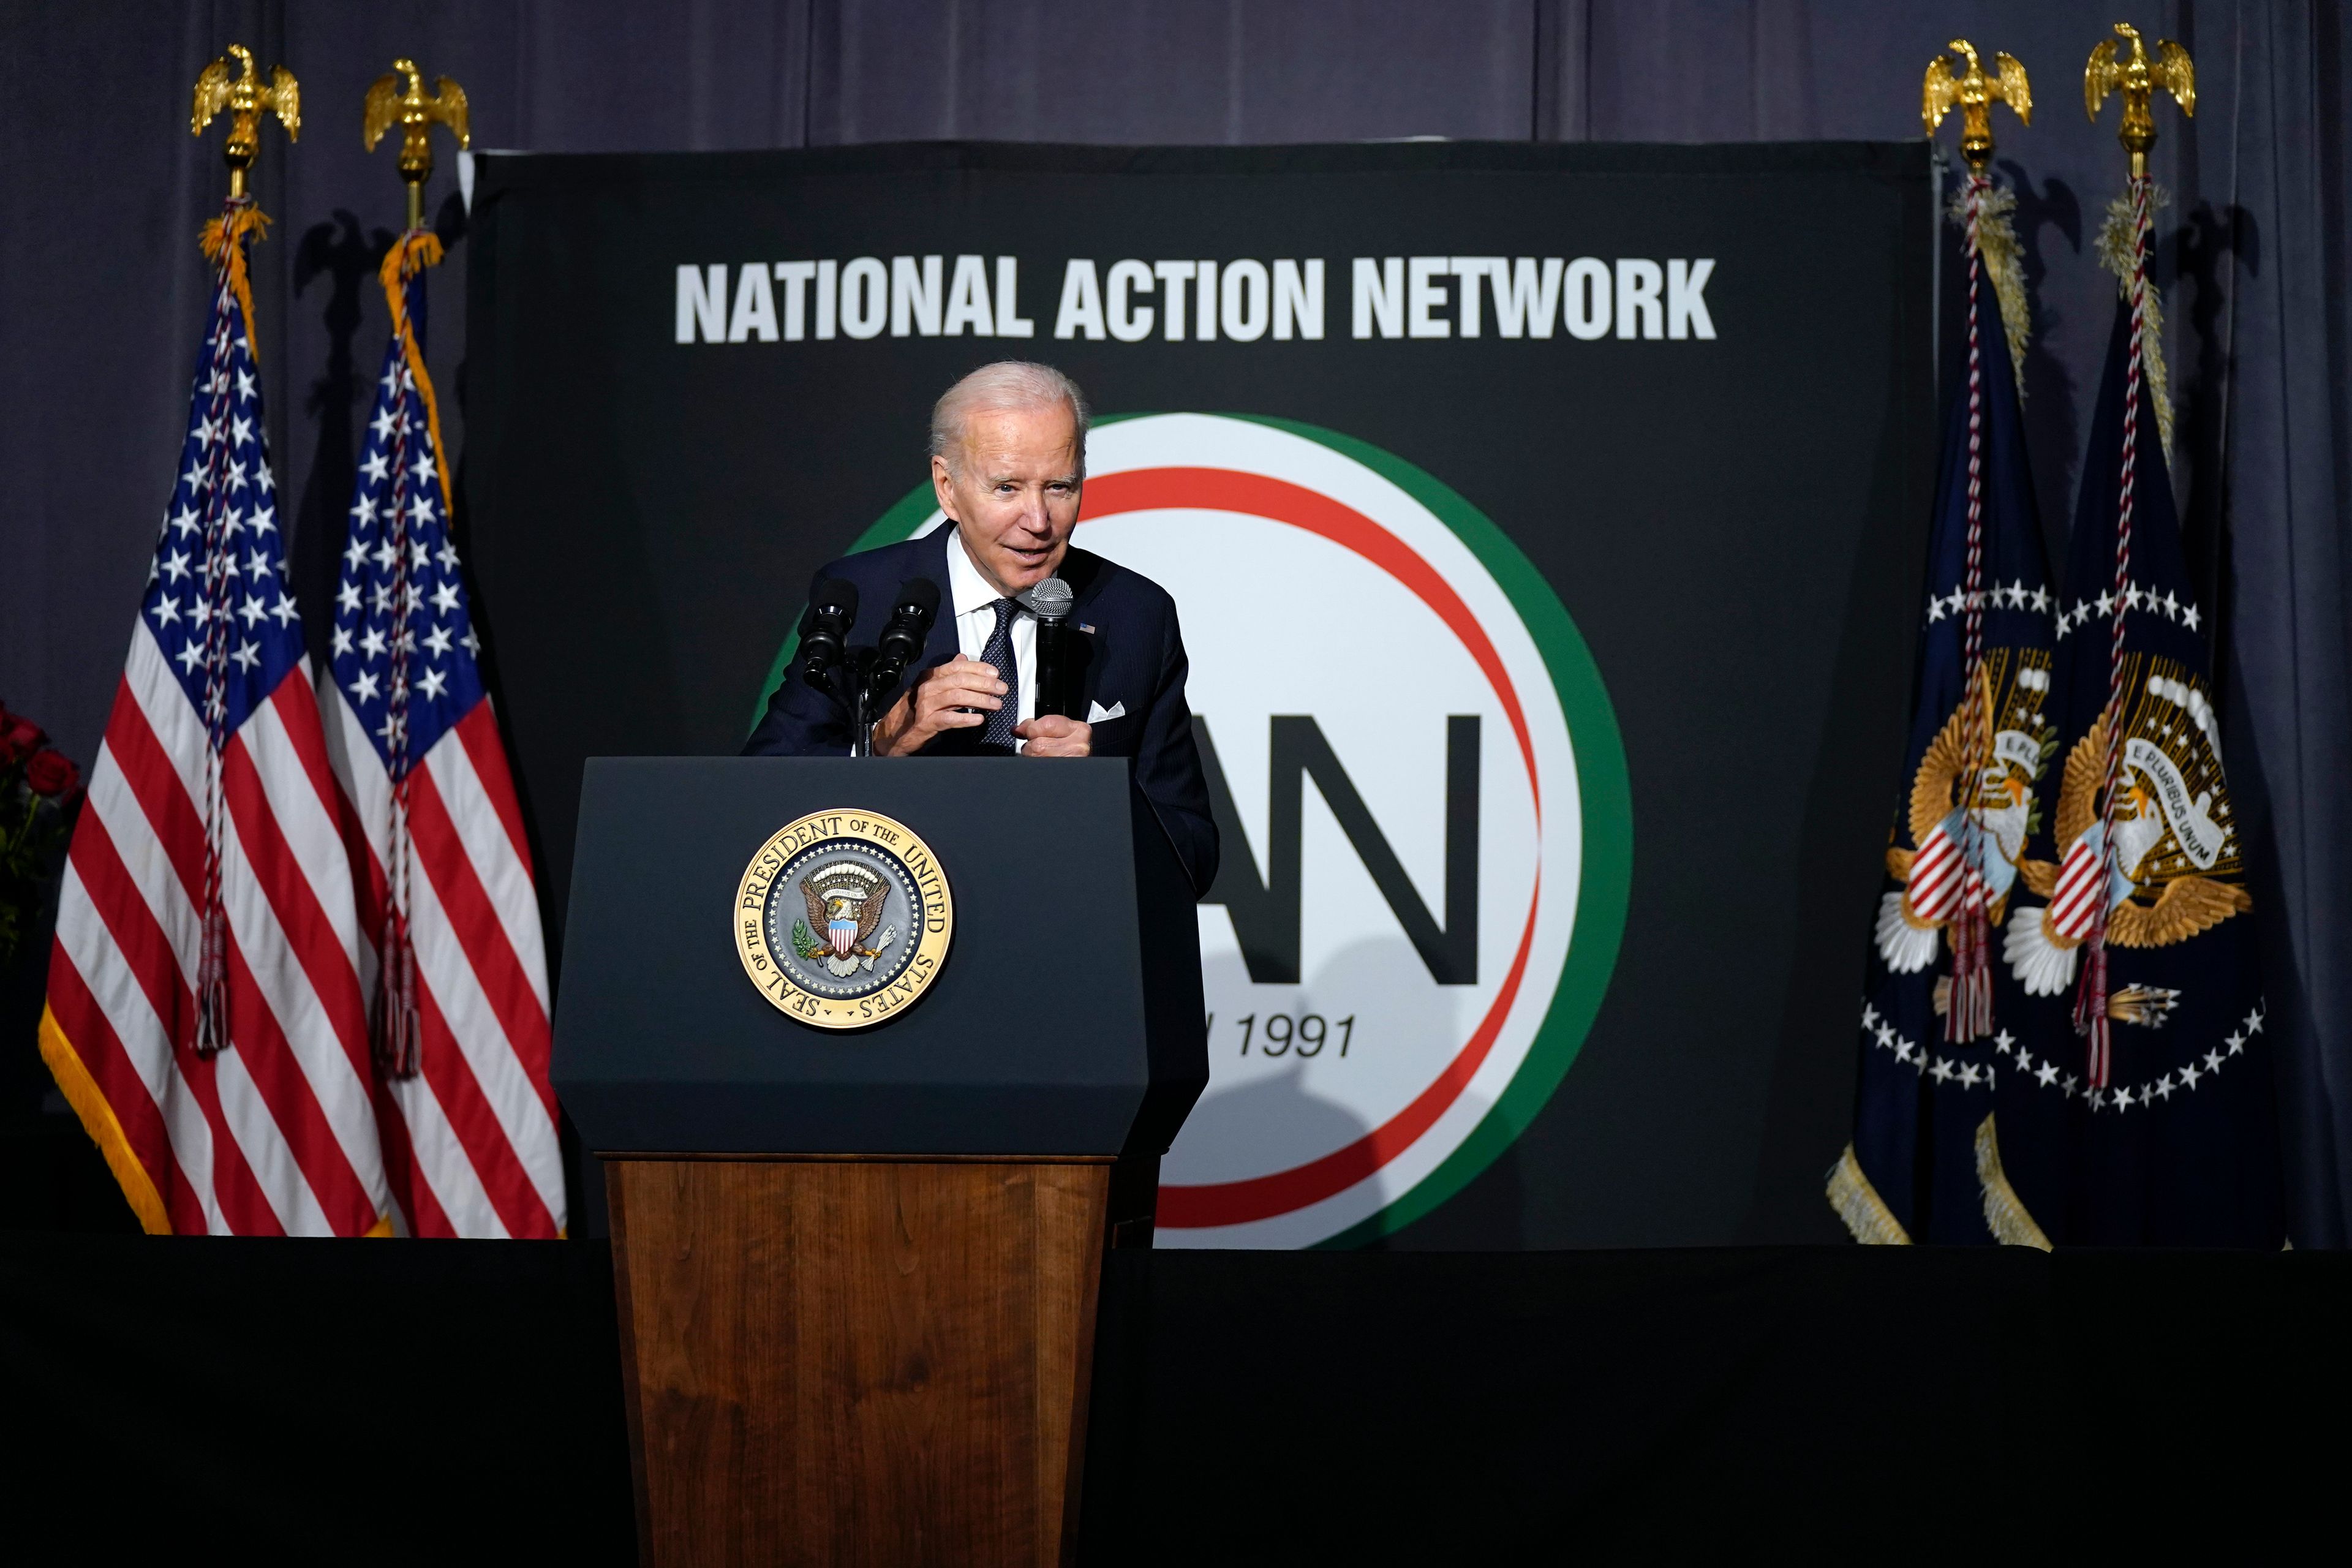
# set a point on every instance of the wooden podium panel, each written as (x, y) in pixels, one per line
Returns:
(846, 1360)
(857, 1274)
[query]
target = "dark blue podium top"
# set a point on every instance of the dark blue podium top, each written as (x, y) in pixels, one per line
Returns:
(1066, 1018)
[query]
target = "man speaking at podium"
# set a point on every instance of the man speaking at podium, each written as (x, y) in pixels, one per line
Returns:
(1036, 633)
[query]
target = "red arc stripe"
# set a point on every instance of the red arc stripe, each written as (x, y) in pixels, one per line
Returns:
(1261, 1197)
(1278, 501)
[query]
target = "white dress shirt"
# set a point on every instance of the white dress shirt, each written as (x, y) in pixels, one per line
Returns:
(974, 599)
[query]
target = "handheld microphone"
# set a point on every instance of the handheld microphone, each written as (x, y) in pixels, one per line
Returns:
(825, 630)
(1050, 602)
(901, 643)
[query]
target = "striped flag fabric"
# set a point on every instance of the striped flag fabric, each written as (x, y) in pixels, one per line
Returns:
(205, 1016)
(451, 958)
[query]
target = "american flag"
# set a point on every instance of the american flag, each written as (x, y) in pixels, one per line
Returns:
(206, 1016)
(453, 961)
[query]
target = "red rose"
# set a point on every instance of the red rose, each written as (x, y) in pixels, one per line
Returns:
(19, 738)
(51, 773)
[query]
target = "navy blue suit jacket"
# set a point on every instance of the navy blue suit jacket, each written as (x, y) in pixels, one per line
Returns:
(1122, 649)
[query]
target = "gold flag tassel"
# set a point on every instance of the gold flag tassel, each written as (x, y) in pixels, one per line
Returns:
(1867, 1217)
(1968, 1013)
(394, 1028)
(245, 98)
(223, 239)
(2006, 1215)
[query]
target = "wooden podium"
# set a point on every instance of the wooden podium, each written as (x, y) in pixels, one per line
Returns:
(857, 1271)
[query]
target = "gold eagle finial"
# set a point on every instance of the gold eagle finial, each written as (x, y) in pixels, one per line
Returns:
(1974, 92)
(388, 103)
(2113, 68)
(245, 98)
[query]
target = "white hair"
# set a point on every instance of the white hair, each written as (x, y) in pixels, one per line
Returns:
(1008, 384)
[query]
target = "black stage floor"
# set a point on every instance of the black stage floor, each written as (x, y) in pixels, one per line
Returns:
(317, 1401)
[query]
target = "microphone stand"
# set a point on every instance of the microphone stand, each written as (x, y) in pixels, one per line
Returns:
(856, 667)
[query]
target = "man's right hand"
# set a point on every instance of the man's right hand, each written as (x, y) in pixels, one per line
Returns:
(956, 695)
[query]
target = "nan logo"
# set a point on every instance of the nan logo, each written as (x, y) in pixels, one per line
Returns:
(843, 919)
(1424, 877)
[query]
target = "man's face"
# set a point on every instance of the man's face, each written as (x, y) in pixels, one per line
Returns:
(1013, 492)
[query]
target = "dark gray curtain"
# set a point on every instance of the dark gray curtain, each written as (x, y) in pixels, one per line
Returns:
(100, 285)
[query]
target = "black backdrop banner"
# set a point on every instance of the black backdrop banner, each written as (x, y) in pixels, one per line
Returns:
(1555, 513)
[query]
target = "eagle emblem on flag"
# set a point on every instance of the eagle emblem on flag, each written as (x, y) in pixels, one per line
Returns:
(846, 902)
(2173, 871)
(2005, 811)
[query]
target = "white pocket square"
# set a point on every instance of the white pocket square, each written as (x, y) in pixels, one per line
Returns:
(1098, 714)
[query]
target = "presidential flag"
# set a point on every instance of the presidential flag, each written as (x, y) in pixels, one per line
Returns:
(1937, 1016)
(206, 1015)
(451, 958)
(2149, 1117)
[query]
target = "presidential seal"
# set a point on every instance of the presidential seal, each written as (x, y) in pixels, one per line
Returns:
(843, 919)
(2174, 871)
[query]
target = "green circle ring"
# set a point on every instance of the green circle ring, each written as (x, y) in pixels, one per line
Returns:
(1604, 798)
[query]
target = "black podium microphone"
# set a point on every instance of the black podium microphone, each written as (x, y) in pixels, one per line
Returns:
(825, 630)
(901, 643)
(1050, 602)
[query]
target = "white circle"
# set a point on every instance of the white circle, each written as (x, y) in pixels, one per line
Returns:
(1282, 621)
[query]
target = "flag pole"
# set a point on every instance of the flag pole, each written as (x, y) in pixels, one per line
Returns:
(1967, 1011)
(2122, 64)
(245, 98)
(397, 1032)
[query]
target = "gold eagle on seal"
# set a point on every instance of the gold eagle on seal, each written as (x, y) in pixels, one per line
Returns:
(2151, 898)
(1945, 792)
(845, 905)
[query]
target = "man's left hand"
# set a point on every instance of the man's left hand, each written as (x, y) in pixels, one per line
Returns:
(1051, 735)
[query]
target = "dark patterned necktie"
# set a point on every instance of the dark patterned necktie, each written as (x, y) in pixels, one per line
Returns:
(998, 731)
